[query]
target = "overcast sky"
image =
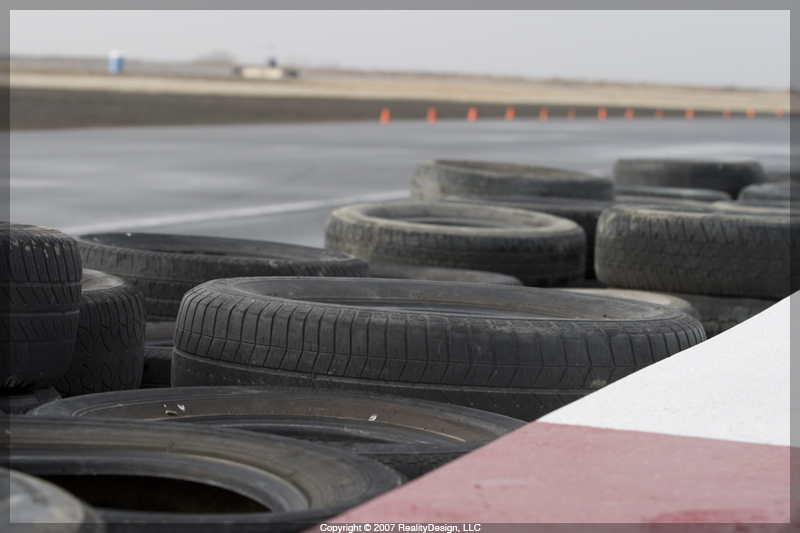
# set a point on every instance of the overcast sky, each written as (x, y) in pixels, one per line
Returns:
(712, 48)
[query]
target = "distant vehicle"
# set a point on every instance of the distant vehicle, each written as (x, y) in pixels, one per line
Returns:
(269, 72)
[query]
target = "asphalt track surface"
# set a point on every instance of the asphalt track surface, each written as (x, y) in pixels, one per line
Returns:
(280, 182)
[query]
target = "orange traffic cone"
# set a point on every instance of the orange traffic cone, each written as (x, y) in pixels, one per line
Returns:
(543, 114)
(726, 113)
(386, 115)
(601, 113)
(431, 114)
(509, 113)
(659, 114)
(779, 113)
(472, 114)
(571, 114)
(750, 113)
(689, 114)
(629, 114)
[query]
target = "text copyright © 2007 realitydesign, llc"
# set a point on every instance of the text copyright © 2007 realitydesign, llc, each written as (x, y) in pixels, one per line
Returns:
(399, 527)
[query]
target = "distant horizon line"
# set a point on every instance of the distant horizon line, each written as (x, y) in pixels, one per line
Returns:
(395, 72)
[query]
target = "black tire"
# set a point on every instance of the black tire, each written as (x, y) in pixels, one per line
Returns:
(40, 287)
(468, 178)
(585, 213)
(516, 352)
(32, 505)
(158, 355)
(782, 192)
(19, 402)
(389, 270)
(186, 477)
(736, 251)
(412, 436)
(536, 248)
(646, 192)
(729, 177)
(718, 313)
(656, 298)
(109, 349)
(164, 267)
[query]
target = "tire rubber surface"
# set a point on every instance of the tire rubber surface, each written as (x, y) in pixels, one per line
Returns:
(163, 267)
(40, 275)
(469, 178)
(538, 249)
(411, 436)
(729, 177)
(516, 352)
(735, 251)
(109, 348)
(299, 482)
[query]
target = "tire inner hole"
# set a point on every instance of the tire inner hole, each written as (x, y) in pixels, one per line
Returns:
(154, 494)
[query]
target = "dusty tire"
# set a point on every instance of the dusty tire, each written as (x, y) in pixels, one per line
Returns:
(32, 505)
(536, 248)
(387, 270)
(109, 348)
(19, 402)
(516, 352)
(158, 355)
(646, 192)
(655, 298)
(742, 252)
(40, 287)
(782, 192)
(115, 464)
(585, 213)
(412, 436)
(729, 177)
(164, 267)
(469, 178)
(718, 313)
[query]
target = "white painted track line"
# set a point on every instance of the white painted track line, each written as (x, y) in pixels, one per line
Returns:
(230, 214)
(735, 387)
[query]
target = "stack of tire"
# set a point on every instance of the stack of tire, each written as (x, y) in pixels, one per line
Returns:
(66, 331)
(520, 353)
(81, 331)
(164, 267)
(578, 196)
(731, 260)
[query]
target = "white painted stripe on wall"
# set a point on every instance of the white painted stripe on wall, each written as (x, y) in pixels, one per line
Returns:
(734, 387)
(229, 214)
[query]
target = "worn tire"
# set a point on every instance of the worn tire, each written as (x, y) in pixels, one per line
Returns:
(656, 298)
(19, 402)
(735, 251)
(583, 212)
(719, 313)
(32, 505)
(412, 436)
(468, 178)
(164, 267)
(729, 177)
(516, 352)
(109, 349)
(389, 270)
(40, 287)
(646, 192)
(158, 355)
(782, 192)
(536, 248)
(300, 482)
